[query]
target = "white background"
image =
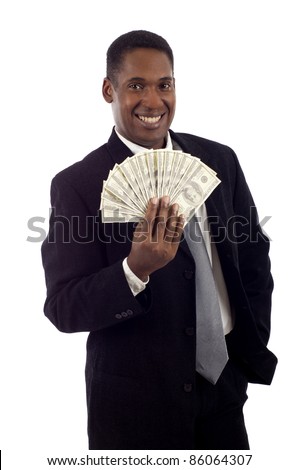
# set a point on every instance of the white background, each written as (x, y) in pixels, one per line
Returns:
(236, 68)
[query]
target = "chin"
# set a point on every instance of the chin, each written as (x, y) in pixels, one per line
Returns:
(153, 141)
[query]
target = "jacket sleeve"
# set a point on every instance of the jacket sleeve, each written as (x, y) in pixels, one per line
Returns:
(253, 255)
(84, 291)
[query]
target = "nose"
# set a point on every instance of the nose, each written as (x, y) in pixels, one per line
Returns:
(151, 98)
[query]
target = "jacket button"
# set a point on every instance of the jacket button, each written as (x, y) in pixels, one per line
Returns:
(118, 316)
(130, 312)
(124, 314)
(189, 331)
(188, 274)
(188, 388)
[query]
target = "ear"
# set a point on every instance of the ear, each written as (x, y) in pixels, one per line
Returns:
(107, 90)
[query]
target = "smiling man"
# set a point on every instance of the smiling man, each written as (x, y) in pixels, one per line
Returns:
(142, 96)
(142, 297)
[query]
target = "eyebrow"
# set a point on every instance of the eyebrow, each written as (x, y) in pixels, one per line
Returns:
(144, 79)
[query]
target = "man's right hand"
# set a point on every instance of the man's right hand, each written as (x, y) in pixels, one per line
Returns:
(156, 238)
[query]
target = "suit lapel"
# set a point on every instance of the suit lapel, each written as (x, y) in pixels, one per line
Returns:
(117, 150)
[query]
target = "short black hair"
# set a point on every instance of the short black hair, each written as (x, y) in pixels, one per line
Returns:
(133, 40)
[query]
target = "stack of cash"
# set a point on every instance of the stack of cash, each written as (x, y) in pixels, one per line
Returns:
(155, 173)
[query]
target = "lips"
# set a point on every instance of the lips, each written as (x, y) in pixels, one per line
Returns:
(149, 119)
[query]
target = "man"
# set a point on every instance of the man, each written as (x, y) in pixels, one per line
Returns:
(135, 288)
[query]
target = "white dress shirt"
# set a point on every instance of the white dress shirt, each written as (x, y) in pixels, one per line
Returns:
(137, 286)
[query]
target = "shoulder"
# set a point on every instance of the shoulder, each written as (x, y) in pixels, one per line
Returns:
(83, 180)
(201, 144)
(219, 156)
(96, 165)
(91, 166)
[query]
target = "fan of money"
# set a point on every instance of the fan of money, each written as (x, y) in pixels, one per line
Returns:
(155, 173)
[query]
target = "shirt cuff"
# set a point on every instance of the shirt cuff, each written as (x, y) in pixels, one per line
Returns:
(136, 285)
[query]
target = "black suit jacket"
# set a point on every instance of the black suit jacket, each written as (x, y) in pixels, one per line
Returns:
(141, 350)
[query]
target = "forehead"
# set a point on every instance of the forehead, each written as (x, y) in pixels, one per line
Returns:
(145, 63)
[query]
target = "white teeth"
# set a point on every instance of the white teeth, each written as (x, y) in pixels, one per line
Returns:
(150, 120)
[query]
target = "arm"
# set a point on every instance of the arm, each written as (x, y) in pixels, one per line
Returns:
(253, 252)
(84, 291)
(81, 284)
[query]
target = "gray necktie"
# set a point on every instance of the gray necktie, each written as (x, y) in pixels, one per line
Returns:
(211, 352)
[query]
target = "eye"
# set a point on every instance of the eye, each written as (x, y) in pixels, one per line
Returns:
(135, 86)
(166, 86)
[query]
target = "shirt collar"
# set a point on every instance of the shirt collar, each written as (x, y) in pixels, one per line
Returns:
(135, 148)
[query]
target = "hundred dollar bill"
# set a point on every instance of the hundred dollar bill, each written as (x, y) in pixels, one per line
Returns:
(111, 214)
(134, 168)
(125, 191)
(149, 158)
(182, 171)
(168, 163)
(153, 172)
(116, 200)
(132, 177)
(195, 193)
(139, 163)
(117, 194)
(142, 162)
(160, 163)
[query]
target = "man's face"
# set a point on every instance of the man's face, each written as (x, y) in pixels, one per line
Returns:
(143, 99)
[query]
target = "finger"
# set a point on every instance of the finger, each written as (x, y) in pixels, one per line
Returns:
(174, 228)
(171, 223)
(161, 219)
(179, 228)
(171, 219)
(145, 226)
(139, 235)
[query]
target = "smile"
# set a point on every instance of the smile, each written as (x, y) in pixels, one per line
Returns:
(148, 119)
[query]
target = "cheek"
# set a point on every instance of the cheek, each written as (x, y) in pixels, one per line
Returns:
(127, 109)
(172, 105)
(121, 112)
